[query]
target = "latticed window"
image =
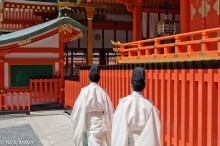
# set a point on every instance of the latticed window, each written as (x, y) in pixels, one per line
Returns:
(21, 74)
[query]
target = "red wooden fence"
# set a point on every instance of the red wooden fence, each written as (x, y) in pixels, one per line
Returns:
(187, 95)
(45, 91)
(14, 101)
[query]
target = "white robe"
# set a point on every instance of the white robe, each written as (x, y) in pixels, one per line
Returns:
(135, 122)
(92, 117)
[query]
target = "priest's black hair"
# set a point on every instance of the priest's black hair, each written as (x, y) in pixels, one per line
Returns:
(94, 74)
(94, 78)
(138, 85)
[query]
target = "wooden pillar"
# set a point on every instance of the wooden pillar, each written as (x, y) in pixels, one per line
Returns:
(185, 16)
(137, 20)
(1, 73)
(90, 14)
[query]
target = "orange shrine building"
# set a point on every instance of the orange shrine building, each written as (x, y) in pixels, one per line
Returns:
(47, 47)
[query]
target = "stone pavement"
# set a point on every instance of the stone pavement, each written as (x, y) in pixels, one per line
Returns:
(48, 128)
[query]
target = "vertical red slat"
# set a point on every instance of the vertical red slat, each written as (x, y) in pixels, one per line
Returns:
(156, 87)
(126, 80)
(55, 89)
(183, 104)
(1, 101)
(200, 106)
(146, 87)
(11, 100)
(163, 132)
(118, 72)
(116, 87)
(192, 107)
(150, 83)
(168, 78)
(176, 104)
(218, 81)
(35, 90)
(40, 90)
(209, 77)
(6, 101)
(45, 90)
(51, 90)
(31, 89)
(129, 81)
(23, 99)
(29, 102)
(17, 101)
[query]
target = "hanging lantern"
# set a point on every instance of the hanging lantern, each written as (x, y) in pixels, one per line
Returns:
(166, 27)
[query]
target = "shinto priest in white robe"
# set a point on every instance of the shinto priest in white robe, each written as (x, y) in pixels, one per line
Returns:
(92, 117)
(136, 122)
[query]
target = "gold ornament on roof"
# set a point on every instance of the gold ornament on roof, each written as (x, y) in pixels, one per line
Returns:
(24, 42)
(66, 27)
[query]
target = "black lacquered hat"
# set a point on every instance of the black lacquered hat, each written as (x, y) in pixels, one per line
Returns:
(94, 70)
(138, 74)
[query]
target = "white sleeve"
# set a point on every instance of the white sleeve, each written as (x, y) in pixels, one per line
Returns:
(109, 111)
(120, 129)
(151, 133)
(78, 119)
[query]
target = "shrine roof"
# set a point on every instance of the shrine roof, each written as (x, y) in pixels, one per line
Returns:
(39, 29)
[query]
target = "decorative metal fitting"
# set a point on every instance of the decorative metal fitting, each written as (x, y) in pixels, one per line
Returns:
(188, 54)
(202, 54)
(175, 55)
(154, 56)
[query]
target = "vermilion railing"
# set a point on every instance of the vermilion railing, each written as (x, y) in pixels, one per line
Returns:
(186, 93)
(45, 91)
(14, 101)
(198, 45)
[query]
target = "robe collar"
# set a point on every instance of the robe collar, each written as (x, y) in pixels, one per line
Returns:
(94, 84)
(136, 93)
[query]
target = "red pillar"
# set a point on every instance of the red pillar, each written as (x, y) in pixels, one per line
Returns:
(137, 22)
(185, 16)
(61, 68)
(1, 73)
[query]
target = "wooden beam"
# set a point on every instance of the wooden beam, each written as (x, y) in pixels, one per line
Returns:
(103, 6)
(111, 25)
(9, 21)
(66, 4)
(151, 10)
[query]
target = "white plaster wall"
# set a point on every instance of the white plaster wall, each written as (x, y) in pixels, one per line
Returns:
(6, 79)
(73, 44)
(121, 36)
(57, 67)
(177, 18)
(97, 43)
(83, 41)
(130, 36)
(32, 55)
(49, 42)
(153, 20)
(109, 35)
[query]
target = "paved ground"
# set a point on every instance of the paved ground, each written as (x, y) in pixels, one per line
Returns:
(48, 128)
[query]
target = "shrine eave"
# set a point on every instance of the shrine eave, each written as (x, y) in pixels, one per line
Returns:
(39, 29)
